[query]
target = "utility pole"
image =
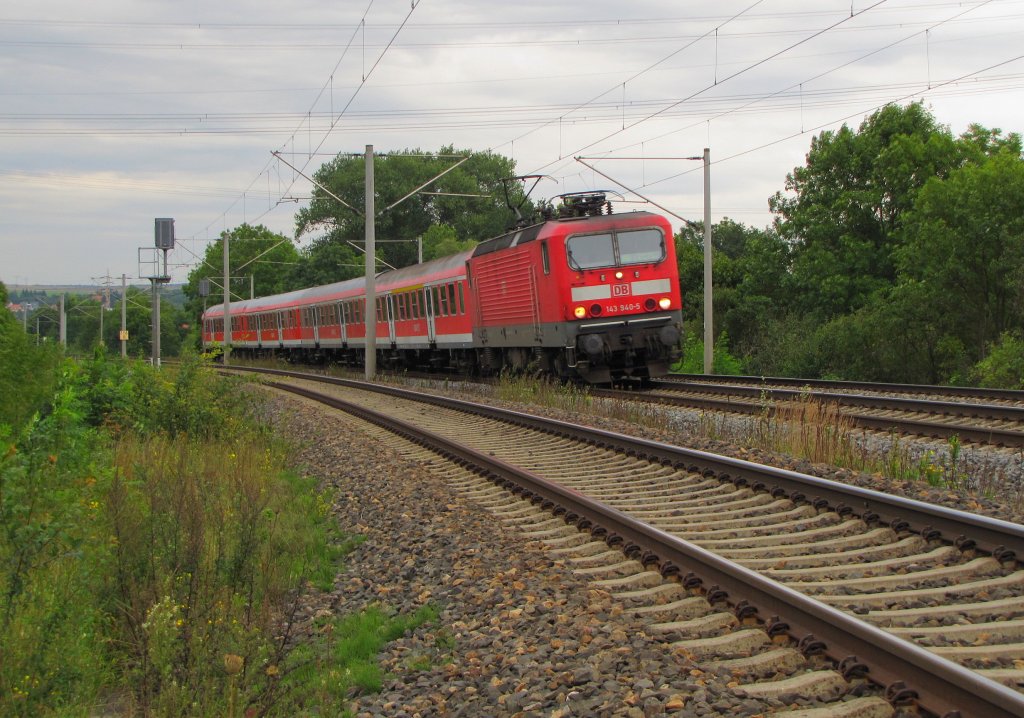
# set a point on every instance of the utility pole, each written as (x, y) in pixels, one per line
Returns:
(163, 230)
(227, 304)
(104, 282)
(63, 333)
(124, 316)
(370, 357)
(709, 333)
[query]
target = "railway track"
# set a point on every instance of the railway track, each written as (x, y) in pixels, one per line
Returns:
(989, 417)
(961, 393)
(925, 602)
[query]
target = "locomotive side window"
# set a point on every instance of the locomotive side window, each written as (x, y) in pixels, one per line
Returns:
(545, 262)
(643, 246)
(590, 251)
(462, 300)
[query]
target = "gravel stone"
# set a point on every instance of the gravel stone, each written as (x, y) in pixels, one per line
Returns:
(511, 635)
(518, 635)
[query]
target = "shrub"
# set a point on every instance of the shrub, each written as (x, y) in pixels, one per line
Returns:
(148, 528)
(692, 361)
(1003, 368)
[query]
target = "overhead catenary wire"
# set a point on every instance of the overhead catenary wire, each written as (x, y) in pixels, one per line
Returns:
(799, 85)
(732, 76)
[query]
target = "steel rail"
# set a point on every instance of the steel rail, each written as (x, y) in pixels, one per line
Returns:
(939, 686)
(888, 403)
(980, 392)
(920, 427)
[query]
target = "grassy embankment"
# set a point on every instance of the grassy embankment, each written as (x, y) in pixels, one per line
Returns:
(152, 541)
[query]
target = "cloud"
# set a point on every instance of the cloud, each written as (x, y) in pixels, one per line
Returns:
(119, 112)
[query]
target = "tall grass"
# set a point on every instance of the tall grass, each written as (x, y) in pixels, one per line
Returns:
(151, 543)
(808, 428)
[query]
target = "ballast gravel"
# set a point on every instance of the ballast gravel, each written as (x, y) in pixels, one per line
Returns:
(517, 633)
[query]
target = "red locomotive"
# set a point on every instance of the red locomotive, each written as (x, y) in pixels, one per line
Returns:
(583, 295)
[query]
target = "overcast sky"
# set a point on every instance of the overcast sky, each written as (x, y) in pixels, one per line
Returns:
(118, 112)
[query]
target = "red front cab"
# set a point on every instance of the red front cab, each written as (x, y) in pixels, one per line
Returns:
(596, 297)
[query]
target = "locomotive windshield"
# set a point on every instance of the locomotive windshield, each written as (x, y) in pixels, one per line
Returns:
(640, 246)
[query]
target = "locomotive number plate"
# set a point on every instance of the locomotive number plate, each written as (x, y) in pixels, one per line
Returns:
(627, 307)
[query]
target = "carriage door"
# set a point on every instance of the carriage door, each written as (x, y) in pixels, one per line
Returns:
(427, 300)
(391, 317)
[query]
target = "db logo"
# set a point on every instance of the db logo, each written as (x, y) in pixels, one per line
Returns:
(620, 290)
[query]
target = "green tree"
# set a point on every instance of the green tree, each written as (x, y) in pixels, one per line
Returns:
(255, 252)
(443, 202)
(441, 240)
(964, 245)
(751, 281)
(325, 262)
(1004, 365)
(846, 205)
(27, 373)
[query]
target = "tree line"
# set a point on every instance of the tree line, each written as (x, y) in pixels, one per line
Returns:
(895, 255)
(88, 324)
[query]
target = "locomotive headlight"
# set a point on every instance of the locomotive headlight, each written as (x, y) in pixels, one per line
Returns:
(664, 302)
(618, 275)
(579, 312)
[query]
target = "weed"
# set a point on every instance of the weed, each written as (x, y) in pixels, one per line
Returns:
(341, 658)
(142, 542)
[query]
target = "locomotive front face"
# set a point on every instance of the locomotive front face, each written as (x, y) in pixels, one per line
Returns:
(623, 307)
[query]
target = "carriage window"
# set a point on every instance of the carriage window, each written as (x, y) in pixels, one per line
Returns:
(589, 251)
(443, 300)
(451, 299)
(643, 246)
